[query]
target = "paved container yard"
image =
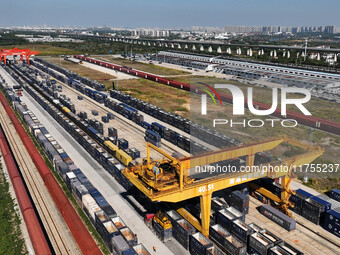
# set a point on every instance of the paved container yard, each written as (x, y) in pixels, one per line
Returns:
(125, 205)
(302, 237)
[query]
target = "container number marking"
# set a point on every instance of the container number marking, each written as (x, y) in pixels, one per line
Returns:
(206, 188)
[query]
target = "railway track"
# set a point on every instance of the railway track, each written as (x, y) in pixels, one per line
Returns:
(131, 125)
(61, 240)
(136, 129)
(309, 121)
(300, 223)
(310, 230)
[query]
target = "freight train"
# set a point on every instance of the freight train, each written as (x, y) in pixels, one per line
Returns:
(76, 226)
(34, 227)
(310, 121)
(102, 215)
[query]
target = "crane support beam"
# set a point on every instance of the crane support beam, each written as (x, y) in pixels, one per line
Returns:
(190, 218)
(230, 153)
(264, 192)
(205, 201)
(183, 189)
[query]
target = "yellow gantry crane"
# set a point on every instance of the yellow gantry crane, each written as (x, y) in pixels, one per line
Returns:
(168, 179)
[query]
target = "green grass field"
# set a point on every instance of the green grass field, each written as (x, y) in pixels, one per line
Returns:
(45, 49)
(11, 241)
(318, 107)
(159, 70)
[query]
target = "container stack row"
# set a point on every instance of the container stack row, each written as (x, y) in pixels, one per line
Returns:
(211, 137)
(101, 214)
(319, 209)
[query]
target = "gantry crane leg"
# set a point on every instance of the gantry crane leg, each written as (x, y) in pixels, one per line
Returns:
(205, 202)
(250, 160)
(285, 188)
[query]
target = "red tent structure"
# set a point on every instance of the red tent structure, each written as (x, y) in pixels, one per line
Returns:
(17, 52)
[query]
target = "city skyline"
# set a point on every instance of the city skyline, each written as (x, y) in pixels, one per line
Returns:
(150, 13)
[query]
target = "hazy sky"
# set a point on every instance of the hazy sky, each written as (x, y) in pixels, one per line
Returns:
(169, 14)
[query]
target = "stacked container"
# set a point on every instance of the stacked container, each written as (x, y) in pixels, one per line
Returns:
(240, 201)
(225, 217)
(335, 194)
(332, 222)
(297, 199)
(199, 244)
(181, 231)
(234, 246)
(241, 231)
(259, 244)
(314, 209)
(119, 245)
(129, 236)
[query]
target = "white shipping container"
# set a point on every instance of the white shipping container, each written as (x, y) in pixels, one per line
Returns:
(71, 175)
(87, 200)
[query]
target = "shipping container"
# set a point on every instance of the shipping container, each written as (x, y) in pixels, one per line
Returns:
(100, 218)
(255, 227)
(123, 157)
(119, 245)
(241, 231)
(240, 201)
(101, 201)
(332, 222)
(335, 194)
(109, 211)
(109, 230)
(110, 116)
(140, 249)
(218, 204)
(119, 223)
(323, 200)
(184, 228)
(289, 248)
(239, 215)
(199, 244)
(130, 251)
(95, 193)
(260, 243)
(129, 236)
(214, 251)
(225, 219)
(152, 137)
(81, 190)
(173, 216)
(234, 246)
(278, 217)
(218, 234)
(90, 206)
(181, 231)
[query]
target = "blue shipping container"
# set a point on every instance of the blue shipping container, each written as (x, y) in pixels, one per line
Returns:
(335, 194)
